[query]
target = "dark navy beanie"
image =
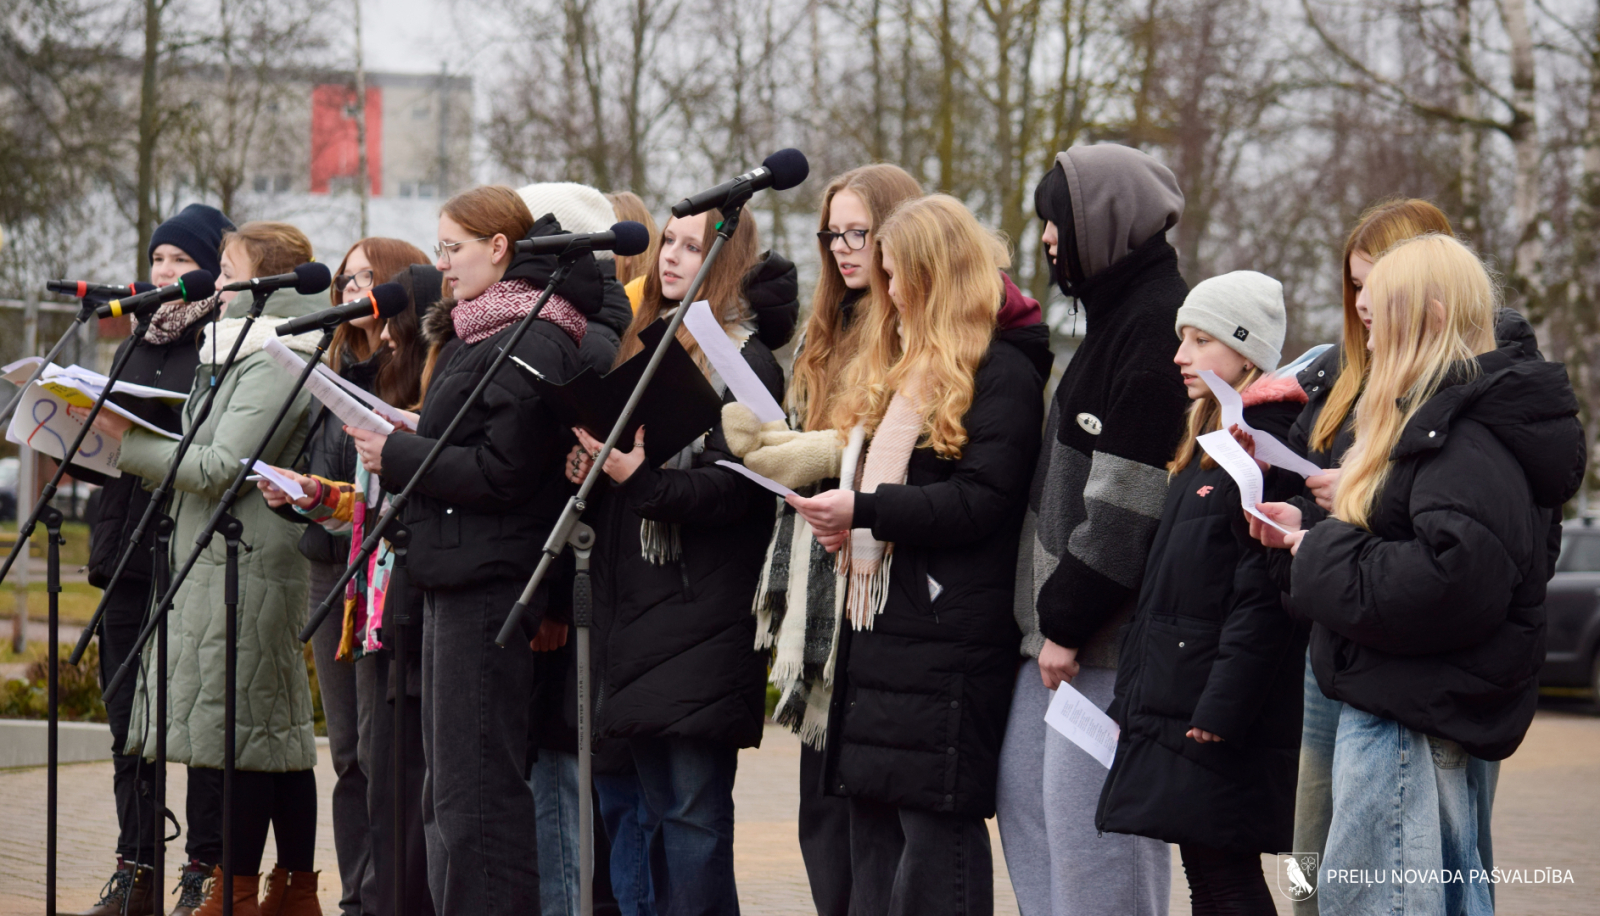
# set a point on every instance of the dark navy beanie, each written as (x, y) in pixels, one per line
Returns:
(197, 232)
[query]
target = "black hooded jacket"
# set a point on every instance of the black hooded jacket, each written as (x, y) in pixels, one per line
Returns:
(920, 700)
(1210, 647)
(1434, 617)
(485, 507)
(678, 657)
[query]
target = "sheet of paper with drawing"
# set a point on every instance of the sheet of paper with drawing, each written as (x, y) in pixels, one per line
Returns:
(724, 357)
(349, 410)
(46, 423)
(1231, 457)
(1081, 722)
(1268, 448)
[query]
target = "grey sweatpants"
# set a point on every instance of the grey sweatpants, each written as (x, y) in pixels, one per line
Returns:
(1049, 790)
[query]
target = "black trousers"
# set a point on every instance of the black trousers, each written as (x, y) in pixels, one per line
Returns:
(285, 801)
(374, 688)
(906, 862)
(824, 837)
(130, 775)
(1224, 883)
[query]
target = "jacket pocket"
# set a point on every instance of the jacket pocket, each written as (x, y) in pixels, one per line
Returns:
(1178, 653)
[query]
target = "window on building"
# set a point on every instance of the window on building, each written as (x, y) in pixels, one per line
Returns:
(408, 189)
(262, 184)
(426, 191)
(421, 112)
(281, 184)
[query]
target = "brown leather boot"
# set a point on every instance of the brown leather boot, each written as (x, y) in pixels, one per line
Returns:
(191, 887)
(131, 885)
(245, 891)
(291, 893)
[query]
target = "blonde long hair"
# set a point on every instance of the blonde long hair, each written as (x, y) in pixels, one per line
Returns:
(630, 206)
(1384, 225)
(947, 274)
(828, 345)
(1414, 350)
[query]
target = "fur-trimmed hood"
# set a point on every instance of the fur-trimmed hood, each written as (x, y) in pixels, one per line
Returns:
(1272, 389)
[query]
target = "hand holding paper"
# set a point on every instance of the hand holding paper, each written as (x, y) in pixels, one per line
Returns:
(1081, 722)
(1231, 457)
(272, 475)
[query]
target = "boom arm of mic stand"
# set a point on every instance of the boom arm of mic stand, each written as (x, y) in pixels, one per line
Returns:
(224, 503)
(578, 502)
(158, 497)
(86, 309)
(398, 501)
(25, 531)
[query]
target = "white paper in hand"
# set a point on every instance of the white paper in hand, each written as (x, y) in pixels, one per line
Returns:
(350, 411)
(1268, 448)
(46, 423)
(724, 357)
(1231, 457)
(1081, 722)
(270, 474)
(767, 482)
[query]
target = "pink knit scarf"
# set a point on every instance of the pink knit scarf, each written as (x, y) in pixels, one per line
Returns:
(507, 301)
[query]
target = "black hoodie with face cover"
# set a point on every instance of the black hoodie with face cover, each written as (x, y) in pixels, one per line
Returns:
(1433, 616)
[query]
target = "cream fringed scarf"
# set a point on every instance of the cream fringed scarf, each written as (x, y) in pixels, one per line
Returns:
(889, 455)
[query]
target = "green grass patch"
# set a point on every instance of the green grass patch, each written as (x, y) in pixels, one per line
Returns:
(78, 601)
(74, 553)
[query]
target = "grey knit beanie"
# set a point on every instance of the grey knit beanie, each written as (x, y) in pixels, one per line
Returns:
(1243, 309)
(577, 207)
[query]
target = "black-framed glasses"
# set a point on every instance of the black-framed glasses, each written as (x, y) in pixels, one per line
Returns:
(854, 239)
(362, 279)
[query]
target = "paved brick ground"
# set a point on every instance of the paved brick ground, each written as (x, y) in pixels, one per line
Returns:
(1547, 815)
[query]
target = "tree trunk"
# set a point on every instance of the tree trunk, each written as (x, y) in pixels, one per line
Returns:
(363, 182)
(947, 100)
(1469, 137)
(875, 43)
(148, 127)
(1524, 133)
(636, 159)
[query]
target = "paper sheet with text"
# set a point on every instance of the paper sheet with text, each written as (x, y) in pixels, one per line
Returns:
(1081, 722)
(270, 474)
(724, 357)
(350, 411)
(1231, 457)
(1268, 448)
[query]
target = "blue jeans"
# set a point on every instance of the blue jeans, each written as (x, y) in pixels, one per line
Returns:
(630, 826)
(1313, 796)
(688, 786)
(555, 800)
(1405, 824)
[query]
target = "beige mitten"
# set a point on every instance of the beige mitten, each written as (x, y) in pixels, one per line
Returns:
(796, 459)
(744, 430)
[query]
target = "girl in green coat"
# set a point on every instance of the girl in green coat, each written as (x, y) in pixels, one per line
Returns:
(276, 748)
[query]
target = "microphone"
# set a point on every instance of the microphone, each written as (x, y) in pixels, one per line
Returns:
(626, 239)
(780, 171)
(308, 279)
(78, 289)
(385, 301)
(191, 287)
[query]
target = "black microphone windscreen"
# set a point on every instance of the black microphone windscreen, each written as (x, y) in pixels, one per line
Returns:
(390, 299)
(312, 278)
(197, 285)
(139, 286)
(632, 238)
(788, 167)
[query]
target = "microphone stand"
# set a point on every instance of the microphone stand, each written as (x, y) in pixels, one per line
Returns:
(231, 529)
(398, 501)
(52, 524)
(157, 506)
(86, 310)
(25, 531)
(569, 530)
(399, 543)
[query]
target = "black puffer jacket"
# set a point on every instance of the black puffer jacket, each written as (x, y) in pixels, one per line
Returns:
(123, 499)
(485, 507)
(1435, 618)
(678, 638)
(1210, 647)
(1317, 380)
(920, 701)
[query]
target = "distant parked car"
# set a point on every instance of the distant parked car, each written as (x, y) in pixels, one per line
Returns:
(8, 488)
(1572, 607)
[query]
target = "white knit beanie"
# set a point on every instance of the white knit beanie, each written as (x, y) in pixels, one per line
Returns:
(1243, 309)
(577, 207)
